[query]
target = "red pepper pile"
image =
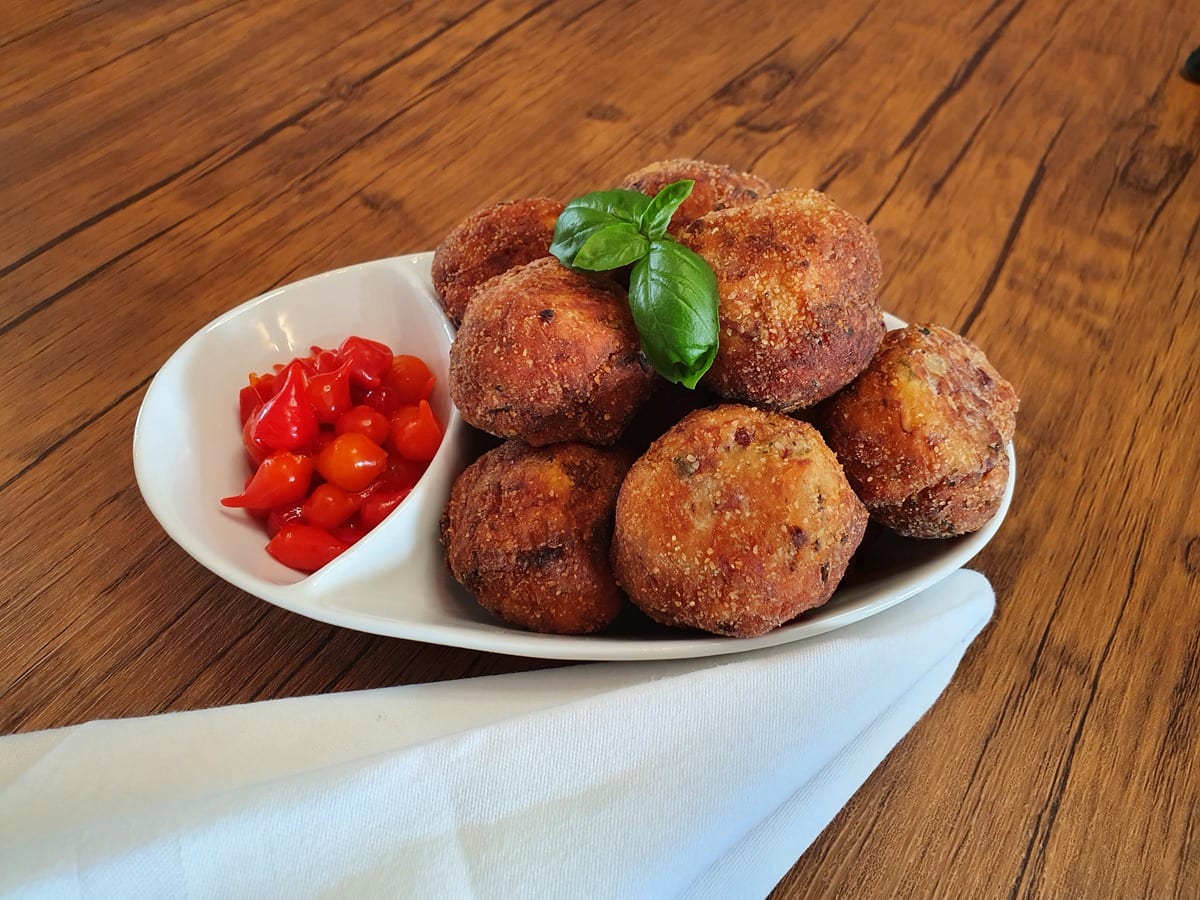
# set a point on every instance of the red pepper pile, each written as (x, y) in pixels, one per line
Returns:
(337, 439)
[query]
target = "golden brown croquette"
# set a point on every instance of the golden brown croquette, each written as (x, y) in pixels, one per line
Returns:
(546, 354)
(922, 433)
(797, 278)
(528, 531)
(735, 521)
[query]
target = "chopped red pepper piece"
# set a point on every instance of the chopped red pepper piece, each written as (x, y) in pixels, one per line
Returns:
(351, 461)
(330, 393)
(378, 504)
(410, 378)
(383, 398)
(305, 547)
(351, 532)
(416, 434)
(280, 516)
(288, 421)
(328, 506)
(281, 479)
(401, 473)
(325, 360)
(368, 360)
(365, 420)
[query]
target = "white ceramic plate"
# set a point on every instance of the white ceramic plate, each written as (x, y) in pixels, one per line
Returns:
(394, 581)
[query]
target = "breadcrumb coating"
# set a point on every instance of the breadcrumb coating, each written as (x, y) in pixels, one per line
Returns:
(546, 354)
(489, 242)
(797, 278)
(527, 531)
(716, 187)
(734, 522)
(922, 431)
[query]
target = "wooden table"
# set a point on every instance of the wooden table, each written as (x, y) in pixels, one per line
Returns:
(1029, 167)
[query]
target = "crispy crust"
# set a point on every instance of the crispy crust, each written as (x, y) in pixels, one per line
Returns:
(948, 507)
(716, 187)
(546, 354)
(922, 433)
(735, 521)
(528, 530)
(488, 242)
(797, 278)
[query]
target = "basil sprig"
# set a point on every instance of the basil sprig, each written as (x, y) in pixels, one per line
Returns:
(672, 290)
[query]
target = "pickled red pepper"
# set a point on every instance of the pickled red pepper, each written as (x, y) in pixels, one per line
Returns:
(336, 440)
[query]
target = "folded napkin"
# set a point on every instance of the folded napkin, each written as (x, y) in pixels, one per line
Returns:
(699, 778)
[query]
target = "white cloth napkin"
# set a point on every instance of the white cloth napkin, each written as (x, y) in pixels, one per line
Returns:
(699, 778)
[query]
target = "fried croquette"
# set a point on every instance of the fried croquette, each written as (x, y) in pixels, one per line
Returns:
(716, 186)
(922, 431)
(797, 279)
(491, 241)
(734, 522)
(528, 531)
(546, 354)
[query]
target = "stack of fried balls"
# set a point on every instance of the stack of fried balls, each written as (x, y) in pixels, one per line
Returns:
(732, 509)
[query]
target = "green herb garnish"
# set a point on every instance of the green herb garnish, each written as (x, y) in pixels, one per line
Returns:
(672, 290)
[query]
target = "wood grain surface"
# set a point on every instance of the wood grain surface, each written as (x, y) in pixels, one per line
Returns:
(1029, 167)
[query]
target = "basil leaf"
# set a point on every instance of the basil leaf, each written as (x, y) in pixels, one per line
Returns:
(658, 214)
(584, 216)
(672, 291)
(673, 296)
(611, 247)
